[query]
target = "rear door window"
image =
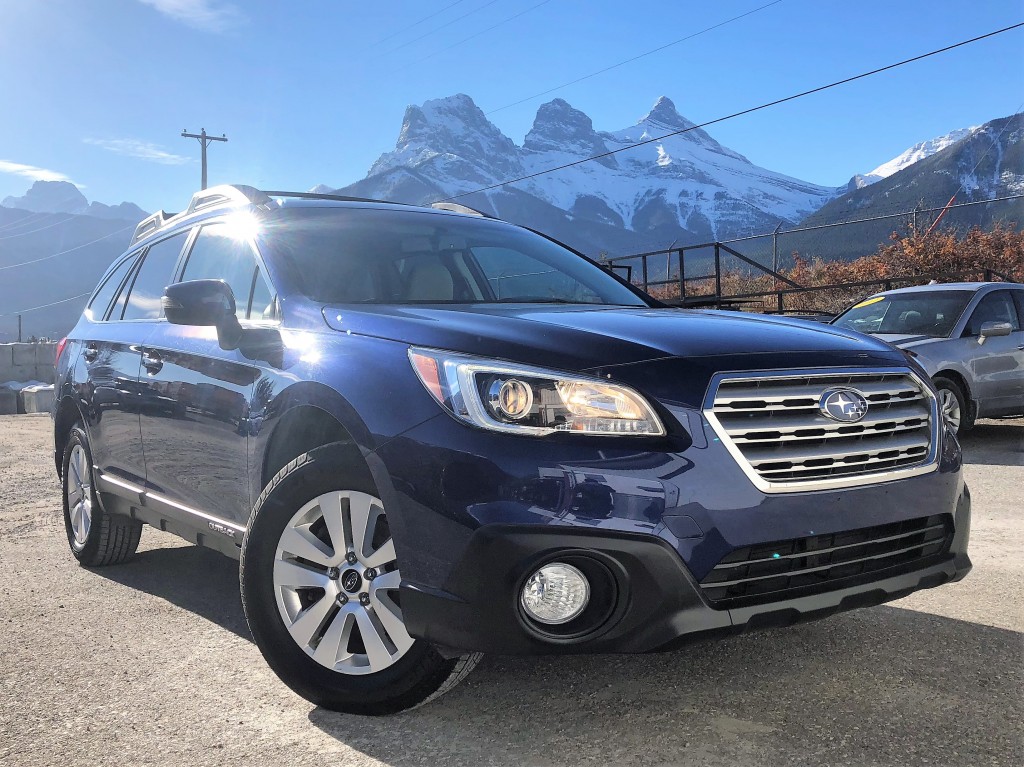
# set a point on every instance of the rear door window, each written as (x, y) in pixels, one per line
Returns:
(155, 274)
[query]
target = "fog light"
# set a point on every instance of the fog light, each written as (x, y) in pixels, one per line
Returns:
(555, 594)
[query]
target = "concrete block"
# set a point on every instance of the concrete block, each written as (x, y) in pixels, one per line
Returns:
(36, 399)
(8, 401)
(24, 354)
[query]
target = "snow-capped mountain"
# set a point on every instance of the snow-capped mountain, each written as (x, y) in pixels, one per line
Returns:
(65, 197)
(684, 188)
(909, 157)
(986, 164)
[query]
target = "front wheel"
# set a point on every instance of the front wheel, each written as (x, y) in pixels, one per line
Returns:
(320, 580)
(953, 405)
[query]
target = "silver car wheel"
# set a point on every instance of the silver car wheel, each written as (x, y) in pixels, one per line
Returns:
(79, 494)
(336, 584)
(950, 408)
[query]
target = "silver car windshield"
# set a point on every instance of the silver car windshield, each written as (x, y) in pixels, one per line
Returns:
(932, 313)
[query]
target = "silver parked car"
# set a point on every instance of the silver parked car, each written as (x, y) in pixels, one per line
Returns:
(967, 335)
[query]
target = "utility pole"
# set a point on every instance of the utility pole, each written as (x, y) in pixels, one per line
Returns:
(204, 141)
(19, 328)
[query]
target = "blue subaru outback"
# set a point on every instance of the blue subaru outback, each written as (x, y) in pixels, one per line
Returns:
(427, 434)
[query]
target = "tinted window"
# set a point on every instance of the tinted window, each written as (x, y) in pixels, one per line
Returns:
(932, 313)
(101, 300)
(995, 307)
(219, 253)
(155, 274)
(1018, 297)
(356, 255)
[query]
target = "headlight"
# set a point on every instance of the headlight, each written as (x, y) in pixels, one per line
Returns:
(524, 400)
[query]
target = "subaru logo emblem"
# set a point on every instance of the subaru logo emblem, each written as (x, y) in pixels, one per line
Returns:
(351, 581)
(844, 405)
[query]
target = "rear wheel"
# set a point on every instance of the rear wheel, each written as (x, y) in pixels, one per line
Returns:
(953, 405)
(320, 586)
(96, 537)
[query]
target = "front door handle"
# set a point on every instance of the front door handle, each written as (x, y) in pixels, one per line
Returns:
(152, 362)
(91, 353)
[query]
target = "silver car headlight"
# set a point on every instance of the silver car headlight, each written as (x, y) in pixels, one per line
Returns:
(518, 399)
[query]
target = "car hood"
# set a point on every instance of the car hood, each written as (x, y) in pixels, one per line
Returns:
(574, 337)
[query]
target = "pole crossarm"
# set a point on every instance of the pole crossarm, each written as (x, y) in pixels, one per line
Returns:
(204, 141)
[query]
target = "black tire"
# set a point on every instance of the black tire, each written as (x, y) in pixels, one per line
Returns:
(943, 385)
(418, 676)
(111, 539)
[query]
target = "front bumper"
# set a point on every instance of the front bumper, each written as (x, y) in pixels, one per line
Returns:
(472, 523)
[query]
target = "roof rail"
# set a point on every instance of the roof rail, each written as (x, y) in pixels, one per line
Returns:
(319, 196)
(151, 224)
(454, 207)
(226, 194)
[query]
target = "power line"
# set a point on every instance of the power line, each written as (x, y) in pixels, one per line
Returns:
(634, 58)
(438, 29)
(471, 37)
(45, 306)
(69, 250)
(416, 23)
(40, 229)
(742, 112)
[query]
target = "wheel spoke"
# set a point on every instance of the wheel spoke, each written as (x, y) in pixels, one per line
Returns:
(330, 508)
(75, 466)
(363, 512)
(387, 581)
(335, 639)
(390, 616)
(310, 620)
(382, 556)
(377, 652)
(299, 542)
(298, 576)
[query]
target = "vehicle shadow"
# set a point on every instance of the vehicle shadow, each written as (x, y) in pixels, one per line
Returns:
(995, 443)
(879, 686)
(199, 580)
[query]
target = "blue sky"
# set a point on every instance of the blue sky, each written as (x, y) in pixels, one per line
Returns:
(312, 92)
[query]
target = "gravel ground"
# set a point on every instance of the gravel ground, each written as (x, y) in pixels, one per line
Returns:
(151, 663)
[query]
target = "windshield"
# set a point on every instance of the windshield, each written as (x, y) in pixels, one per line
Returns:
(371, 256)
(932, 313)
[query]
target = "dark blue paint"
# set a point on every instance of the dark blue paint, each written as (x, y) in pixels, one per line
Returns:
(198, 430)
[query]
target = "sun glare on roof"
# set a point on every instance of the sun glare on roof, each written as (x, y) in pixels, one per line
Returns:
(242, 225)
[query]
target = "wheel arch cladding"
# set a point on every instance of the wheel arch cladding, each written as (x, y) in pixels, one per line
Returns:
(68, 414)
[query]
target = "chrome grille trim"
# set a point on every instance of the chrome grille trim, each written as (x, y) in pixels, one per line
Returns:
(770, 423)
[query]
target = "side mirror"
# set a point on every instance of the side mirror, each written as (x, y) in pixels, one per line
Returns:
(199, 302)
(994, 330)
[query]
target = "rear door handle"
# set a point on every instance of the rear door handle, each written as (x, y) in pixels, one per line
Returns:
(91, 353)
(152, 362)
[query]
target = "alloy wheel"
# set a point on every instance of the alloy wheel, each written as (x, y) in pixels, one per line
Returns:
(79, 494)
(950, 408)
(336, 584)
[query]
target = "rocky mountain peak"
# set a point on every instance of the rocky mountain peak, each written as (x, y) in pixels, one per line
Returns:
(664, 113)
(50, 197)
(559, 127)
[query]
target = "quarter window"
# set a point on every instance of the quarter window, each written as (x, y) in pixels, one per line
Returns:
(155, 274)
(220, 254)
(97, 308)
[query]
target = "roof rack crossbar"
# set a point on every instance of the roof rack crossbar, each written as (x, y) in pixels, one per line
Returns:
(320, 196)
(227, 194)
(455, 207)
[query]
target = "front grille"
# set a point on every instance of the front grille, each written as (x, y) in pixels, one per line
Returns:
(775, 425)
(772, 572)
